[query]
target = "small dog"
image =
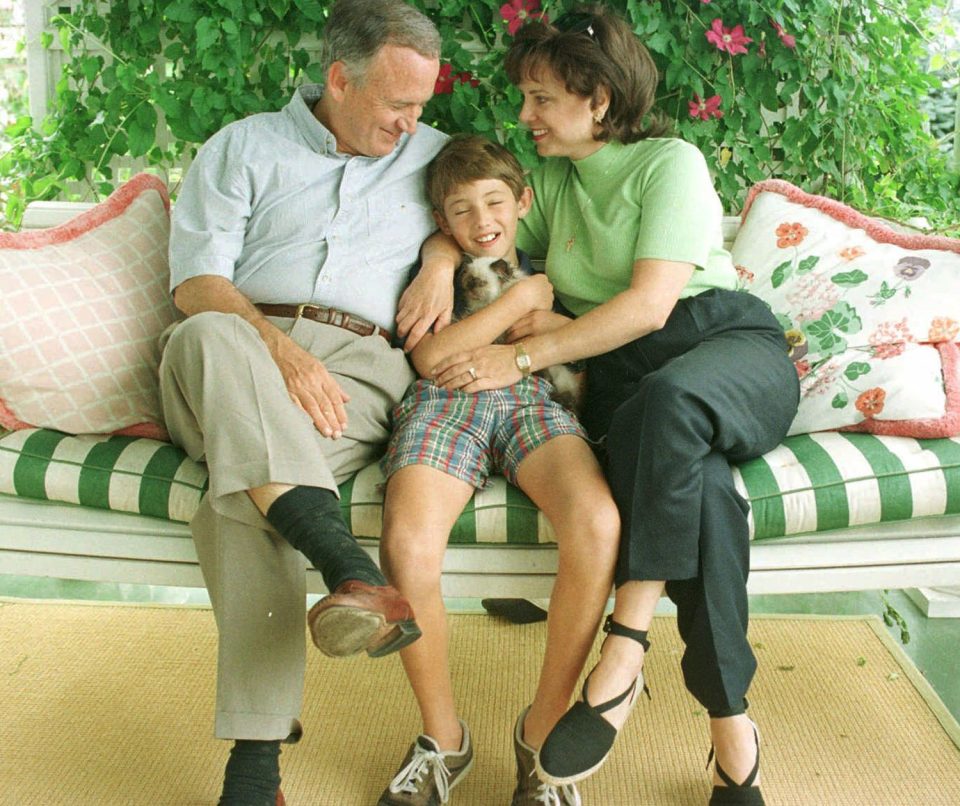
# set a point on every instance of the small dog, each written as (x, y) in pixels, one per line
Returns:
(477, 282)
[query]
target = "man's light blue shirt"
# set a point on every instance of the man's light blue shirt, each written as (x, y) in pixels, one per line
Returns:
(271, 205)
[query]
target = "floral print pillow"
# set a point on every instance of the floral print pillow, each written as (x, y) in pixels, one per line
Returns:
(870, 314)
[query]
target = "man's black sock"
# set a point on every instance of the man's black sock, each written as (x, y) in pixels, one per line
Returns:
(252, 777)
(309, 519)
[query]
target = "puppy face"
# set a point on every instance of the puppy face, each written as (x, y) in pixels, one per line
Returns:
(478, 281)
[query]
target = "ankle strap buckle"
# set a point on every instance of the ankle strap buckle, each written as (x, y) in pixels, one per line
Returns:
(616, 628)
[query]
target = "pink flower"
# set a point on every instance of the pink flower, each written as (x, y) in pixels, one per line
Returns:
(517, 12)
(732, 40)
(788, 40)
(447, 79)
(705, 109)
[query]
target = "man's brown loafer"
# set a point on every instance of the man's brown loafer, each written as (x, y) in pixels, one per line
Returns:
(358, 616)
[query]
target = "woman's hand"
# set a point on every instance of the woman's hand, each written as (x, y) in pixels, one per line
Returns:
(491, 367)
(535, 323)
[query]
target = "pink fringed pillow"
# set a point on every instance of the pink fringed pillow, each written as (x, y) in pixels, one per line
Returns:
(872, 314)
(81, 308)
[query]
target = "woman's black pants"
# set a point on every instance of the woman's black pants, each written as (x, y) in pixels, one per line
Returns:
(674, 409)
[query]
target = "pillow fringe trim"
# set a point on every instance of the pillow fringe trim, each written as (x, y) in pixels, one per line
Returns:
(846, 214)
(111, 207)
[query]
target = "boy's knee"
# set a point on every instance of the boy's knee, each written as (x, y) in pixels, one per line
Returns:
(404, 556)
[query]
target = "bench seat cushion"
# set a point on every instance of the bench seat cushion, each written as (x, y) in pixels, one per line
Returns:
(812, 482)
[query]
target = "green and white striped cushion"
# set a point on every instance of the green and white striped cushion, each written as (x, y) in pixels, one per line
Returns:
(811, 482)
(830, 480)
(143, 476)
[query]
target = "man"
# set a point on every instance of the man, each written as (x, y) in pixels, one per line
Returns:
(291, 244)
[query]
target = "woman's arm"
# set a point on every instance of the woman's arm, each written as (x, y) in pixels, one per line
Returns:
(642, 308)
(485, 326)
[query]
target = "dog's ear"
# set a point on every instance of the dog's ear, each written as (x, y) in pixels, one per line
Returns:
(502, 269)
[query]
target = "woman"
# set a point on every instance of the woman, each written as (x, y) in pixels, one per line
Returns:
(685, 375)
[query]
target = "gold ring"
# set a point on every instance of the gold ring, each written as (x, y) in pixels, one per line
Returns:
(473, 373)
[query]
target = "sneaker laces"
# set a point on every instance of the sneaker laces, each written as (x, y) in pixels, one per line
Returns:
(550, 795)
(407, 781)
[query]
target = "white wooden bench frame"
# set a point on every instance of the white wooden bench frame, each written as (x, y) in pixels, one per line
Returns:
(49, 539)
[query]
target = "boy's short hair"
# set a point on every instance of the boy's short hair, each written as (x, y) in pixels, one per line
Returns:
(469, 158)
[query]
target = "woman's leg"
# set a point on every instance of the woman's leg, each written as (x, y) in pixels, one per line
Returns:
(712, 616)
(420, 508)
(564, 479)
(683, 520)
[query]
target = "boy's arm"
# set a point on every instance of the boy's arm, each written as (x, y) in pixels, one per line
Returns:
(485, 326)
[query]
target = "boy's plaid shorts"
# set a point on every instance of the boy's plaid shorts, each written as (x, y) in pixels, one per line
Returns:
(473, 434)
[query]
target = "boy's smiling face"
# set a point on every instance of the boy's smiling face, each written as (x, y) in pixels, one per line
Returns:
(482, 217)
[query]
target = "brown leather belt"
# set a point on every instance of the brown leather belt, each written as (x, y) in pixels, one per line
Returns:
(326, 316)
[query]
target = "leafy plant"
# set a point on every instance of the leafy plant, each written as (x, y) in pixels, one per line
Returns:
(824, 93)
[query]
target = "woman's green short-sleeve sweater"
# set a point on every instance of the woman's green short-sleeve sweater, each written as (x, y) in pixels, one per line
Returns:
(593, 218)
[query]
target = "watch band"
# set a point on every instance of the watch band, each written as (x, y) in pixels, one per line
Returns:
(522, 358)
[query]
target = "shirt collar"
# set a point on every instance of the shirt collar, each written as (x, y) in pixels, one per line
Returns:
(599, 163)
(300, 109)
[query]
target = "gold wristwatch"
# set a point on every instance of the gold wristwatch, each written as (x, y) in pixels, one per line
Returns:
(522, 358)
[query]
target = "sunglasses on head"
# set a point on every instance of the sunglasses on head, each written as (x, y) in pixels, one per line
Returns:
(576, 22)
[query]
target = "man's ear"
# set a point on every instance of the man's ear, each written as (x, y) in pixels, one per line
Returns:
(442, 223)
(525, 201)
(337, 80)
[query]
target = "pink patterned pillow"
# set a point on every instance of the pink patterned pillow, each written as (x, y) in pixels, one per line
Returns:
(81, 308)
(872, 314)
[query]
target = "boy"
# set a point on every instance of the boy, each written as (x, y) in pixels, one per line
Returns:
(445, 445)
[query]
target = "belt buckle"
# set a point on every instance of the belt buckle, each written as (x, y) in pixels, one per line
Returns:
(300, 309)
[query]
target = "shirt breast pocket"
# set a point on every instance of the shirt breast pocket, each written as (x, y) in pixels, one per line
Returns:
(396, 229)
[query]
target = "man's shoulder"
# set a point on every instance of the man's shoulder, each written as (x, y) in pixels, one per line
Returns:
(425, 142)
(237, 135)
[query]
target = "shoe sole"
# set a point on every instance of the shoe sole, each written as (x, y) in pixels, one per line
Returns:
(339, 632)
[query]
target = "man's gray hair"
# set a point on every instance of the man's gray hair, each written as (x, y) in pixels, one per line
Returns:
(357, 29)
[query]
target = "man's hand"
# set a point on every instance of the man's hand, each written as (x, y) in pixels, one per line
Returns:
(311, 386)
(426, 304)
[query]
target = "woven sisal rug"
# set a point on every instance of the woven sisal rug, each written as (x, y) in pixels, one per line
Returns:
(111, 704)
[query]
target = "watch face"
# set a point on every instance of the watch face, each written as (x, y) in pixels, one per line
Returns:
(523, 360)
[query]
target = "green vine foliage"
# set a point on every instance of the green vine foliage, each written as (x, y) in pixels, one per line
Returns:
(828, 93)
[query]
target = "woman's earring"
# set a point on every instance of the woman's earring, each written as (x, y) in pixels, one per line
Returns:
(598, 117)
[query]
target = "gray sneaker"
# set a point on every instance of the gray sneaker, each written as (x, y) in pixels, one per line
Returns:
(531, 791)
(427, 773)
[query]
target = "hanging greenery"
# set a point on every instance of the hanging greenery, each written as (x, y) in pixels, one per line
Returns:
(826, 94)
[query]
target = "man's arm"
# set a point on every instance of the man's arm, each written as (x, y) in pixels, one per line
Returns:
(427, 303)
(309, 384)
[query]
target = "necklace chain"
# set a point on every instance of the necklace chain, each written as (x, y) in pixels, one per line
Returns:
(572, 240)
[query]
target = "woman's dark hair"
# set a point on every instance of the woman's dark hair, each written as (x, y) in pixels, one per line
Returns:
(588, 51)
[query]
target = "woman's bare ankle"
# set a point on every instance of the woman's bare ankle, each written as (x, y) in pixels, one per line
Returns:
(735, 745)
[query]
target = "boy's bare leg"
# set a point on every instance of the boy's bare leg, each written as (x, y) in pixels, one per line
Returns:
(565, 481)
(420, 508)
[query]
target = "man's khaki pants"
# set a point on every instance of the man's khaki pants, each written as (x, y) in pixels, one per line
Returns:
(225, 403)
